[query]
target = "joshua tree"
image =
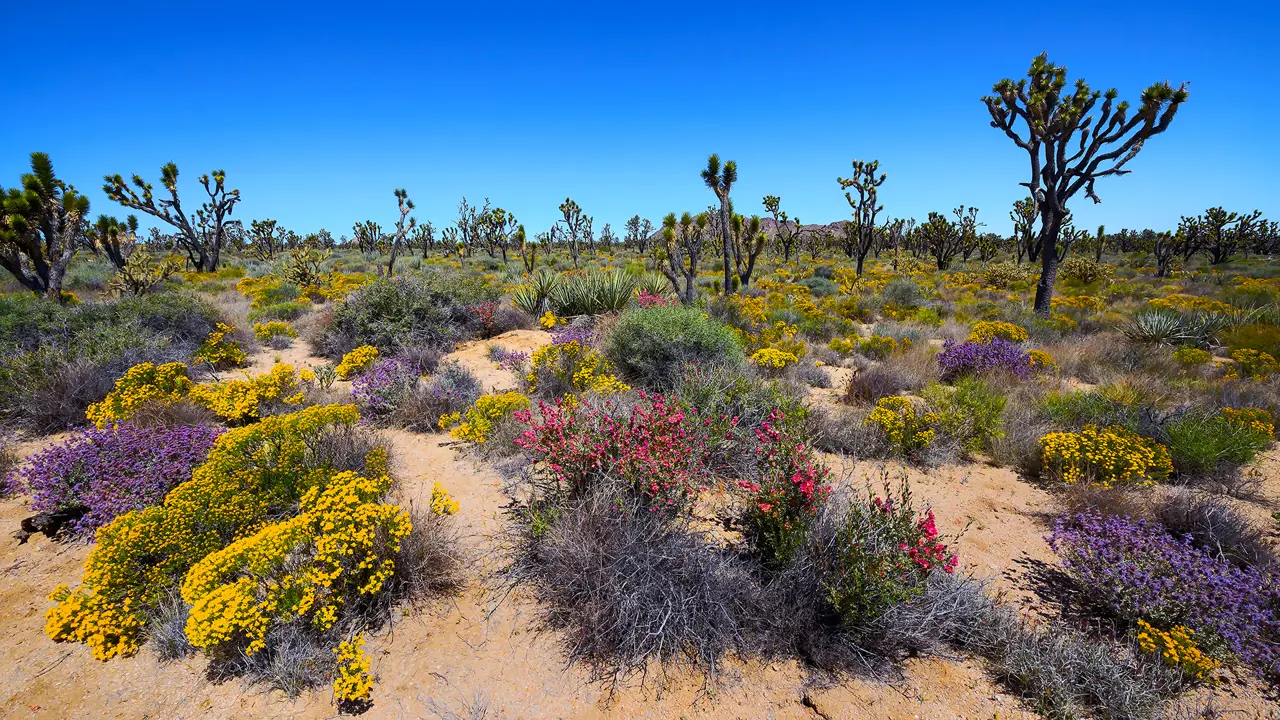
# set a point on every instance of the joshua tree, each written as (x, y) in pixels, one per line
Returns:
(721, 183)
(266, 241)
(1024, 215)
(967, 223)
(1168, 245)
(368, 236)
(404, 225)
(639, 230)
(943, 238)
(682, 248)
(576, 228)
(423, 236)
(202, 239)
(114, 238)
(1220, 233)
(528, 250)
(607, 237)
(1069, 147)
(895, 233)
(862, 231)
(41, 227)
(786, 234)
(748, 242)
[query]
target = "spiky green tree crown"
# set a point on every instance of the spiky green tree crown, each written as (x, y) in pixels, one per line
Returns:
(1053, 116)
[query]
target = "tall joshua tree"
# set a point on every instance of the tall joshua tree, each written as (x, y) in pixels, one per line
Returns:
(41, 227)
(1069, 147)
(865, 208)
(114, 238)
(403, 227)
(721, 181)
(1023, 216)
(203, 236)
(786, 232)
(682, 241)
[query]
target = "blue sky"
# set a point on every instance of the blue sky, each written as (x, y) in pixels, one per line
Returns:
(318, 112)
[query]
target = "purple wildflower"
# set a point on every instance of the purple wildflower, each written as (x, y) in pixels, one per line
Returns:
(385, 384)
(565, 334)
(112, 471)
(1137, 570)
(980, 357)
(512, 360)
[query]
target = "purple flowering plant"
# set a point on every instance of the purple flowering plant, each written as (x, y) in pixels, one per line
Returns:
(510, 360)
(582, 334)
(108, 472)
(966, 358)
(1137, 570)
(385, 384)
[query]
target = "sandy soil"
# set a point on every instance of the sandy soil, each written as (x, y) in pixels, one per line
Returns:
(482, 654)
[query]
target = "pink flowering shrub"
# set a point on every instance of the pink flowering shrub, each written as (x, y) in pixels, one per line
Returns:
(648, 300)
(656, 449)
(787, 491)
(881, 554)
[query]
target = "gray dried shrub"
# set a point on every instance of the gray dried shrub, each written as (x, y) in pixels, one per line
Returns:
(167, 628)
(628, 586)
(452, 389)
(810, 374)
(1216, 526)
(908, 372)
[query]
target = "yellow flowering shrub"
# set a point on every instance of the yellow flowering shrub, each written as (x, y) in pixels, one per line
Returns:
(339, 548)
(1089, 303)
(773, 359)
(274, 328)
(141, 384)
(1253, 364)
(1104, 457)
(354, 362)
(548, 320)
(1190, 303)
(353, 683)
(221, 351)
(907, 429)
(986, 331)
(1192, 356)
(1257, 420)
(241, 401)
(575, 366)
(880, 347)
(478, 420)
(250, 474)
(842, 345)
(1177, 647)
(442, 503)
(1042, 361)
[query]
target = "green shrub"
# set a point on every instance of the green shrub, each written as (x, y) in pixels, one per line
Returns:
(971, 414)
(1203, 444)
(56, 360)
(288, 310)
(819, 286)
(734, 405)
(652, 346)
(1082, 270)
(428, 310)
(1074, 410)
(903, 292)
(1254, 336)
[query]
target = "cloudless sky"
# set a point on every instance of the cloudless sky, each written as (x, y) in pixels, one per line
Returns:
(317, 112)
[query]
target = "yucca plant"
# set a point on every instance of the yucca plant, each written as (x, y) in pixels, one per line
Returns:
(526, 298)
(1171, 328)
(613, 290)
(653, 284)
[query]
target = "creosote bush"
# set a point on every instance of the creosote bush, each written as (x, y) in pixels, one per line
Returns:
(651, 346)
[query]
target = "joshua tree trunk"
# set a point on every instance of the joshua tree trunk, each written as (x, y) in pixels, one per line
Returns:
(1052, 223)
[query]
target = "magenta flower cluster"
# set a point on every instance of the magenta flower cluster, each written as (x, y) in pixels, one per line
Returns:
(967, 358)
(1137, 570)
(111, 471)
